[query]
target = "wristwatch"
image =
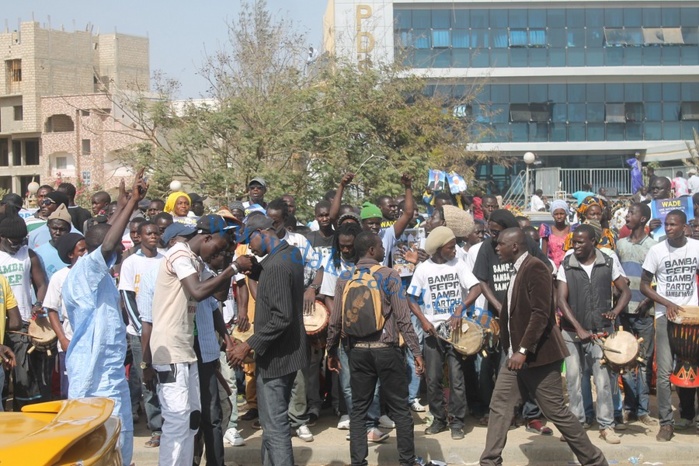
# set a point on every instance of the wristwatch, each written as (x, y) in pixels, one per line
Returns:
(145, 365)
(523, 350)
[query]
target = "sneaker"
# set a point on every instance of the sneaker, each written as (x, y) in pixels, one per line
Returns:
(304, 433)
(619, 423)
(435, 428)
(417, 407)
(374, 435)
(666, 433)
(647, 420)
(385, 422)
(312, 419)
(240, 400)
(457, 433)
(344, 422)
(537, 427)
(609, 436)
(233, 437)
(250, 415)
(347, 437)
(683, 424)
(484, 420)
(256, 424)
(154, 441)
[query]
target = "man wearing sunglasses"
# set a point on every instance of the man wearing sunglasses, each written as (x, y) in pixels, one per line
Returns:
(49, 205)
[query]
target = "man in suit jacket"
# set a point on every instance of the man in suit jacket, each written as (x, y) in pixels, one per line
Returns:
(534, 349)
(279, 341)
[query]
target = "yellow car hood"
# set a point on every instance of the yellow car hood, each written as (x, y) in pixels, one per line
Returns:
(61, 433)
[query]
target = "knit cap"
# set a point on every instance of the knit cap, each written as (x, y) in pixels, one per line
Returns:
(438, 238)
(370, 210)
(457, 220)
(13, 227)
(65, 245)
(61, 214)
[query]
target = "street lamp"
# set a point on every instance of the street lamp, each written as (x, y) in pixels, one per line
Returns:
(529, 158)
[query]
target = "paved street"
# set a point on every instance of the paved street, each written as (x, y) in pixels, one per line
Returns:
(523, 448)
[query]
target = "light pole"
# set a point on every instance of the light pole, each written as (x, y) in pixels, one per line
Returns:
(529, 159)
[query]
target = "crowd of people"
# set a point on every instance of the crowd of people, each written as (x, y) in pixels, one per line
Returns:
(171, 309)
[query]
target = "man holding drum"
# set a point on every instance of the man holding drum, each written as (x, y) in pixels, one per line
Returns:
(673, 263)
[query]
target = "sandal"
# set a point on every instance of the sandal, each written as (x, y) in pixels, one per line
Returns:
(154, 441)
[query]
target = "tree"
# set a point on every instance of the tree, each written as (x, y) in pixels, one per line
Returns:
(270, 115)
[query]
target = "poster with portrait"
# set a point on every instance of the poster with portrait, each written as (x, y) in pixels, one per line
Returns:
(411, 240)
(457, 184)
(661, 207)
(436, 180)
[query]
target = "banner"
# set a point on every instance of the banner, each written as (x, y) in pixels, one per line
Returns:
(436, 180)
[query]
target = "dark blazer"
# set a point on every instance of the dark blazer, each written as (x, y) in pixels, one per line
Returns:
(533, 319)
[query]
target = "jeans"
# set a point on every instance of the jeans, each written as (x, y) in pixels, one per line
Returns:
(435, 352)
(298, 405)
(211, 412)
(663, 360)
(589, 352)
(374, 412)
(229, 376)
(273, 397)
(636, 390)
(413, 378)
(312, 376)
(367, 366)
(135, 374)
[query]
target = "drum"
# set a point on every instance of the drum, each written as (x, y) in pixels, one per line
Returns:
(491, 325)
(621, 350)
(317, 320)
(42, 335)
(469, 338)
(684, 343)
(241, 337)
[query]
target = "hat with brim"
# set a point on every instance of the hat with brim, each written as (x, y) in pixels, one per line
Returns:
(258, 180)
(216, 223)
(177, 229)
(254, 223)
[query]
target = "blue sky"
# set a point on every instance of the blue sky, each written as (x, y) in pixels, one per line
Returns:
(180, 31)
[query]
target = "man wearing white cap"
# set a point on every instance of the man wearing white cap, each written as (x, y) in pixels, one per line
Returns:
(693, 181)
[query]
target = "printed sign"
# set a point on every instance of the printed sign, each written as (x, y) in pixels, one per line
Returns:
(661, 207)
(437, 180)
(412, 239)
(457, 183)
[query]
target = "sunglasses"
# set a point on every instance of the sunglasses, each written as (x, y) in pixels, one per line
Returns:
(47, 202)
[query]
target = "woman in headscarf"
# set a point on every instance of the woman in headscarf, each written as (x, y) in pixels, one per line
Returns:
(553, 237)
(177, 205)
(593, 208)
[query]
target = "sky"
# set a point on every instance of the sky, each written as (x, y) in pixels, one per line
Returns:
(180, 31)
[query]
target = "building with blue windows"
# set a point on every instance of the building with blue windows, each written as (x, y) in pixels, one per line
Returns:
(579, 83)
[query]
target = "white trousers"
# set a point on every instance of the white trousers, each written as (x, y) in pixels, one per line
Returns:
(180, 402)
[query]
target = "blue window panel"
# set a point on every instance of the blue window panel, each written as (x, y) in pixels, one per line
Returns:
(576, 132)
(576, 57)
(479, 18)
(461, 38)
(518, 18)
(423, 59)
(519, 93)
(422, 38)
(537, 37)
(406, 57)
(576, 37)
(687, 129)
(671, 17)
(595, 131)
(558, 132)
(479, 38)
(633, 56)
(595, 92)
(634, 131)
(537, 18)
(689, 16)
(652, 17)
(539, 132)
(615, 132)
(633, 92)
(462, 19)
(560, 113)
(594, 56)
(501, 132)
(689, 56)
(594, 17)
(633, 17)
(690, 35)
(653, 111)
(575, 17)
(499, 38)
(483, 94)
(499, 58)
(520, 132)
(670, 56)
(557, 38)
(595, 112)
(613, 17)
(441, 19)
(538, 57)
(519, 57)
(402, 19)
(557, 93)
(480, 58)
(594, 37)
(481, 114)
(555, 17)
(500, 113)
(576, 113)
(404, 39)
(539, 93)
(652, 92)
(576, 93)
(557, 57)
(671, 111)
(441, 38)
(518, 38)
(422, 19)
(614, 56)
(653, 131)
(671, 130)
(671, 92)
(614, 92)
(689, 91)
(498, 18)
(442, 58)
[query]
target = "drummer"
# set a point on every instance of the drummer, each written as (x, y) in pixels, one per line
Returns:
(441, 281)
(585, 298)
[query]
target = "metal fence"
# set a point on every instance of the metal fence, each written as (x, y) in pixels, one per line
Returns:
(617, 181)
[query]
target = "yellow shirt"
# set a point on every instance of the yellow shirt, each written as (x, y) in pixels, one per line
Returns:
(7, 301)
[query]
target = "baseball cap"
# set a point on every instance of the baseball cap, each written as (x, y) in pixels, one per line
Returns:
(177, 229)
(254, 223)
(259, 180)
(194, 197)
(212, 223)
